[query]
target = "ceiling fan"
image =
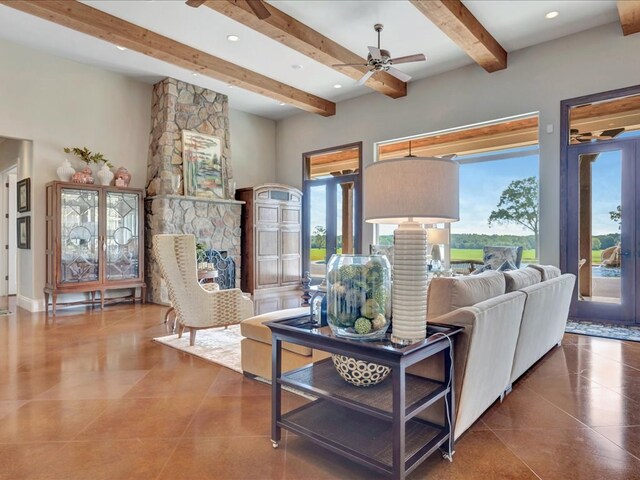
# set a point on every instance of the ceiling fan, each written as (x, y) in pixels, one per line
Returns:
(379, 60)
(577, 137)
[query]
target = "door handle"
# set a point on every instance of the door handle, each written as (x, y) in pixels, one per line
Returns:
(626, 253)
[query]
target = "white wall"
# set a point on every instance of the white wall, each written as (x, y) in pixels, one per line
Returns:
(537, 79)
(56, 103)
(253, 148)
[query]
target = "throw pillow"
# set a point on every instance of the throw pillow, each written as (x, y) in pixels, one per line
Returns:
(507, 265)
(481, 269)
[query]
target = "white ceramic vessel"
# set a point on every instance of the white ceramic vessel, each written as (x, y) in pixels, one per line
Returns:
(65, 171)
(104, 175)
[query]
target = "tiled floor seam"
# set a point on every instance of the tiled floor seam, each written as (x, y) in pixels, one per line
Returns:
(513, 452)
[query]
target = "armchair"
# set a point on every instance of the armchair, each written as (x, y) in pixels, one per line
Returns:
(195, 306)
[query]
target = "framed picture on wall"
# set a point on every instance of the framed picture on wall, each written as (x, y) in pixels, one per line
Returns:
(24, 232)
(202, 165)
(24, 195)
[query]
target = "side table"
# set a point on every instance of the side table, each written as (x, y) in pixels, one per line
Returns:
(375, 426)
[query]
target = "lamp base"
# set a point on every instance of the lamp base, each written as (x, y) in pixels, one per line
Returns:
(409, 291)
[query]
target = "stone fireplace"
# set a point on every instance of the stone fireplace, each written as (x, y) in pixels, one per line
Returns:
(179, 106)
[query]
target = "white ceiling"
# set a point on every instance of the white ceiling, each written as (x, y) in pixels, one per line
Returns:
(515, 24)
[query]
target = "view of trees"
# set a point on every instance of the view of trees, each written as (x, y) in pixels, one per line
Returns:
(518, 205)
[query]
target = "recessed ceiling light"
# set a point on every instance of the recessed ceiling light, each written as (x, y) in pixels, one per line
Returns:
(230, 86)
(122, 49)
(282, 103)
(195, 74)
(551, 15)
(233, 38)
(337, 85)
(295, 66)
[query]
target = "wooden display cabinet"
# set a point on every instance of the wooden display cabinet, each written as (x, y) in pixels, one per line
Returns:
(94, 243)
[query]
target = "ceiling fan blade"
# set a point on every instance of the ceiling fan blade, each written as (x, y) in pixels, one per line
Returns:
(375, 53)
(366, 77)
(259, 9)
(613, 132)
(350, 65)
(409, 58)
(399, 75)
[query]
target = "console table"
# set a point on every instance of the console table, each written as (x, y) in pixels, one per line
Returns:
(376, 426)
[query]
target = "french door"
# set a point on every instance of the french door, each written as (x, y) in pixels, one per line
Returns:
(603, 232)
(331, 221)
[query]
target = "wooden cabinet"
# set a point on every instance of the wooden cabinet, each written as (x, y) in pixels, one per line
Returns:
(271, 245)
(95, 242)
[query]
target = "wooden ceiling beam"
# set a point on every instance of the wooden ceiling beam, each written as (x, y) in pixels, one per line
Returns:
(629, 12)
(91, 21)
(290, 32)
(459, 24)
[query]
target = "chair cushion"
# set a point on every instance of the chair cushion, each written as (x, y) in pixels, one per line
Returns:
(548, 271)
(522, 278)
(255, 329)
(448, 294)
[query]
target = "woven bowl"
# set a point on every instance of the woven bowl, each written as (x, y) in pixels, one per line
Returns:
(359, 372)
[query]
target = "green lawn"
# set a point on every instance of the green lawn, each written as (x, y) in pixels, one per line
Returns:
(528, 256)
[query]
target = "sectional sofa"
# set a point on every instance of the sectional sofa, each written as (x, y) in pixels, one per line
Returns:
(511, 320)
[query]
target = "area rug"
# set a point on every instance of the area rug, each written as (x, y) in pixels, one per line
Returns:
(217, 345)
(603, 330)
(221, 346)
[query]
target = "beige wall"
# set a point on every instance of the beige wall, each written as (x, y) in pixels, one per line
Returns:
(56, 102)
(253, 148)
(537, 79)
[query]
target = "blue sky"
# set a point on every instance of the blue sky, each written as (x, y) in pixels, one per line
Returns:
(482, 183)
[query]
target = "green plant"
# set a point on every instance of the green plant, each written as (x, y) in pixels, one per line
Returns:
(88, 156)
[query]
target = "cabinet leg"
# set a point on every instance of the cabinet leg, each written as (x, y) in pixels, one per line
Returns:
(143, 293)
(54, 299)
(101, 299)
(46, 303)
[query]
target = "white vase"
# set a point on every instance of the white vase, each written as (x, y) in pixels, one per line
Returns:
(104, 175)
(65, 171)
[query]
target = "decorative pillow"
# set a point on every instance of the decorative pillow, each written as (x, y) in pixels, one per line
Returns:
(481, 269)
(496, 256)
(548, 271)
(507, 265)
(521, 278)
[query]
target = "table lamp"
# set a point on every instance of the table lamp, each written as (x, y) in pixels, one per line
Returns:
(437, 237)
(410, 192)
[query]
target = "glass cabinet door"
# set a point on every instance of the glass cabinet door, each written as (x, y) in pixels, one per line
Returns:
(79, 235)
(121, 236)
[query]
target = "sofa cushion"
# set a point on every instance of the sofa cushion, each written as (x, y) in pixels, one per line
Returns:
(448, 294)
(548, 271)
(255, 329)
(519, 279)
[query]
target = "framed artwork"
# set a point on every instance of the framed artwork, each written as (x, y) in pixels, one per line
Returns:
(202, 165)
(24, 195)
(24, 232)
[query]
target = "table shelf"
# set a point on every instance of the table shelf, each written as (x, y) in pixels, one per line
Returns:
(364, 439)
(322, 380)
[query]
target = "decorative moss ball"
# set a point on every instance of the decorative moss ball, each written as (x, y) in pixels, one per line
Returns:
(370, 308)
(378, 322)
(350, 272)
(362, 326)
(380, 296)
